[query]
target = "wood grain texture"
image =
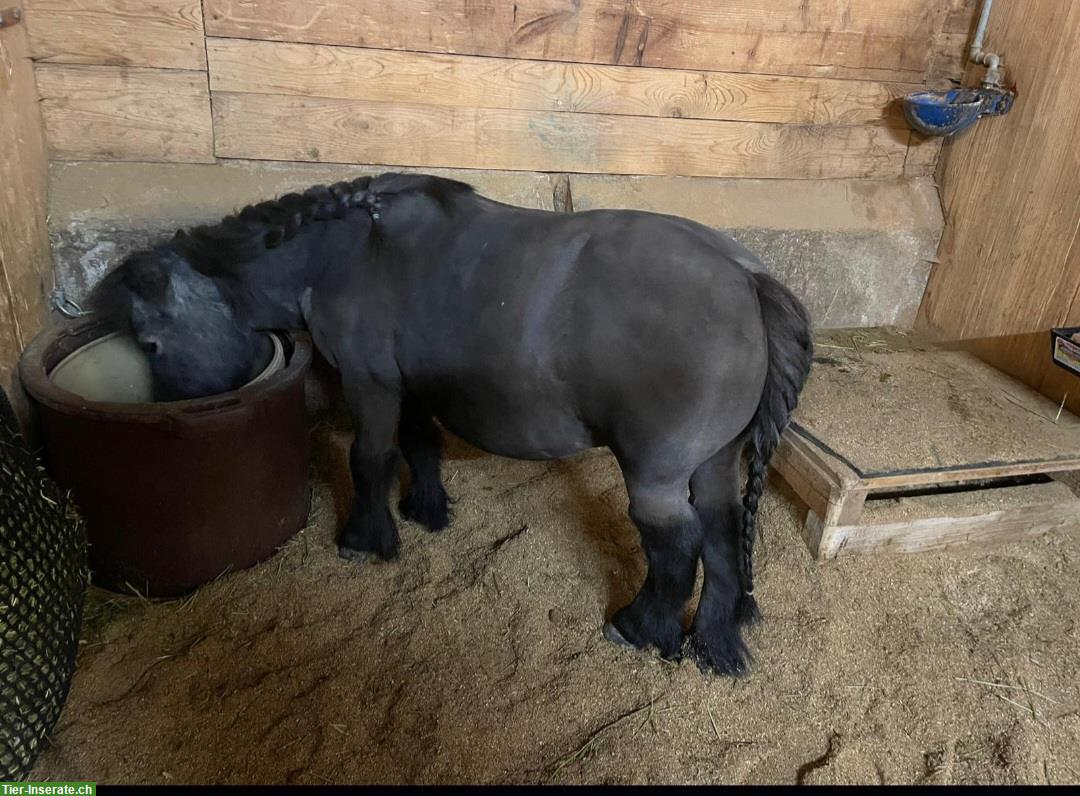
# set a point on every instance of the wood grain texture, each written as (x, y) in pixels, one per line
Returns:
(1027, 357)
(125, 113)
(967, 475)
(161, 33)
(25, 263)
(1011, 189)
(839, 522)
(273, 127)
(240, 65)
(941, 533)
(948, 57)
(922, 156)
(864, 39)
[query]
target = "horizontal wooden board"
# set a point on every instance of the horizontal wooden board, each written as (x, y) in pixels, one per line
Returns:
(242, 65)
(275, 127)
(866, 39)
(162, 33)
(941, 533)
(125, 113)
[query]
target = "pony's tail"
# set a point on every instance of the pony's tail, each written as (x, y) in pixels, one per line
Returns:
(790, 345)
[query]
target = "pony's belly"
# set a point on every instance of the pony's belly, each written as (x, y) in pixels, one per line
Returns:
(522, 434)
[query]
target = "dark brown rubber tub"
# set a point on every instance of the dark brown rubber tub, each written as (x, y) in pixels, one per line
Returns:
(175, 494)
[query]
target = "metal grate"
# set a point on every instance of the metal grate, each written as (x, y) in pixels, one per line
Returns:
(43, 578)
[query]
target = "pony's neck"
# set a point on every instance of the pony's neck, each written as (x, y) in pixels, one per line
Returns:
(264, 286)
(266, 292)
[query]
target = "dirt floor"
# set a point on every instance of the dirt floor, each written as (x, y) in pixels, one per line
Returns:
(477, 657)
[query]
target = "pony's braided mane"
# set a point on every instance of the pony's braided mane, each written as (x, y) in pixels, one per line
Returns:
(246, 235)
(242, 237)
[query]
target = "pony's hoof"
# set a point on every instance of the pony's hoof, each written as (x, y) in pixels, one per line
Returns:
(612, 634)
(722, 653)
(350, 554)
(428, 509)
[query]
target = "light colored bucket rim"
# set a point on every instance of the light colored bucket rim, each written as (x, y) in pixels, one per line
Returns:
(33, 373)
(277, 360)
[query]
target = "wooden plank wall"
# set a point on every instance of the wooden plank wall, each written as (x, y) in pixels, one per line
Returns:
(25, 261)
(744, 88)
(1009, 265)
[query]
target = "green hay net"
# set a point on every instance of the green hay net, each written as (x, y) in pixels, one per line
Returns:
(43, 577)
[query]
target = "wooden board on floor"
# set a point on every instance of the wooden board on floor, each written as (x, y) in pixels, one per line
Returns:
(161, 33)
(859, 437)
(125, 113)
(277, 127)
(925, 410)
(863, 39)
(266, 67)
(985, 517)
(25, 262)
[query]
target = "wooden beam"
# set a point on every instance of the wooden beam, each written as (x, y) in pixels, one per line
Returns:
(863, 39)
(263, 67)
(832, 491)
(162, 33)
(275, 127)
(941, 533)
(966, 475)
(125, 113)
(25, 262)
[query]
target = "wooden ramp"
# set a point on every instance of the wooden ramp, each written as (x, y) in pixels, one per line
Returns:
(921, 449)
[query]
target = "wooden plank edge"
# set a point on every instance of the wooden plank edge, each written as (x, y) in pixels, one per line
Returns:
(843, 473)
(961, 475)
(941, 533)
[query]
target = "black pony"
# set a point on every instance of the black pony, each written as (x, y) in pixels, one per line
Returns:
(530, 334)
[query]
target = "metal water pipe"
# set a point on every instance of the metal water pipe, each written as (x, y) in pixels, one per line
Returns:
(992, 62)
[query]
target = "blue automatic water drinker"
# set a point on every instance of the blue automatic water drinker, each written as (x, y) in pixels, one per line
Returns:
(949, 112)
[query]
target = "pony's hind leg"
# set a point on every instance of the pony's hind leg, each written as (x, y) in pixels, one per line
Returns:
(671, 538)
(420, 441)
(715, 638)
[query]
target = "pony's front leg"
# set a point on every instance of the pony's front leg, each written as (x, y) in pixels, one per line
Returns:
(373, 460)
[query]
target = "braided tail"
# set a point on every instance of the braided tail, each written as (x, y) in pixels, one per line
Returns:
(790, 344)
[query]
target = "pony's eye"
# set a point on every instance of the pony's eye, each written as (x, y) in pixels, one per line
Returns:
(151, 347)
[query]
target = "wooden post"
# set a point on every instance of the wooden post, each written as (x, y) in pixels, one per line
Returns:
(25, 259)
